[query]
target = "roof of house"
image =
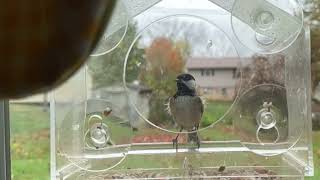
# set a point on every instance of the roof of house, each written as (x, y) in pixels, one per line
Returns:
(203, 63)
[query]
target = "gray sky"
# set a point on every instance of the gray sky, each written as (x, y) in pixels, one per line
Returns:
(187, 4)
(220, 19)
(203, 8)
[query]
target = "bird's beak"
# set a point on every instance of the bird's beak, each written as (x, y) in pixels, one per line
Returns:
(177, 80)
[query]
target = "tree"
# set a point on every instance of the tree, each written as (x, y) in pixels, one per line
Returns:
(211, 42)
(107, 70)
(262, 70)
(164, 61)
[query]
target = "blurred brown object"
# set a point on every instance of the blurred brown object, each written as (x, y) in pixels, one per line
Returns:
(43, 42)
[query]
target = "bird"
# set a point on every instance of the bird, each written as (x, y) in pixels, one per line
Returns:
(186, 108)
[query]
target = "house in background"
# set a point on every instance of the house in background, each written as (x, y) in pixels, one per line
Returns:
(215, 77)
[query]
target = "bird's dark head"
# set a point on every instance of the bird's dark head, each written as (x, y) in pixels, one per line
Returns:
(186, 84)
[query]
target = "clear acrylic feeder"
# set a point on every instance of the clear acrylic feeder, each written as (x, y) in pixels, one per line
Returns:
(251, 63)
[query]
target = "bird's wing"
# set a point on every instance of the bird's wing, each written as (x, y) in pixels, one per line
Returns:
(171, 108)
(199, 104)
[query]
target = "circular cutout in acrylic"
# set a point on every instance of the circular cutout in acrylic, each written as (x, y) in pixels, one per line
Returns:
(92, 141)
(175, 45)
(115, 31)
(267, 26)
(261, 120)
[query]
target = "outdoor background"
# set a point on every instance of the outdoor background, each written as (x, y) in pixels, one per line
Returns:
(30, 122)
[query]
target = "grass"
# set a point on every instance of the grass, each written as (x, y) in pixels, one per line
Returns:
(30, 141)
(316, 155)
(213, 112)
(35, 169)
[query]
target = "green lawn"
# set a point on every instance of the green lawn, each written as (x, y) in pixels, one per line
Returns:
(213, 112)
(316, 153)
(30, 142)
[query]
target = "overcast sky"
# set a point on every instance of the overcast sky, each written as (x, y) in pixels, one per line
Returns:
(206, 4)
(205, 9)
(187, 4)
(219, 18)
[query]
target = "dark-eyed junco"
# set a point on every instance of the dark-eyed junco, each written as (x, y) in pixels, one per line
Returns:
(186, 107)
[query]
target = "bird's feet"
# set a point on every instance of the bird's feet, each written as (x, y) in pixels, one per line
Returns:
(194, 139)
(198, 143)
(175, 143)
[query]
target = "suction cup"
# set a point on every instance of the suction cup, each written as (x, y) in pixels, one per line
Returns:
(94, 137)
(115, 31)
(261, 120)
(267, 26)
(98, 136)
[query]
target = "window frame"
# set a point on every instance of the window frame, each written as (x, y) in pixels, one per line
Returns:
(5, 155)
